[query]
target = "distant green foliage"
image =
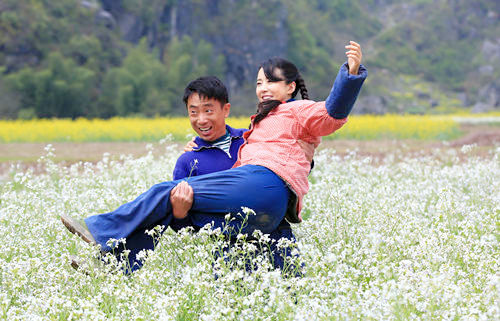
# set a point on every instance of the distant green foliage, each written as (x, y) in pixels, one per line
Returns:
(128, 89)
(436, 45)
(60, 89)
(314, 27)
(9, 101)
(143, 85)
(65, 59)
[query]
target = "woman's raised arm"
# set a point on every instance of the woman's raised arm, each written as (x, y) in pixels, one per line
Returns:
(348, 83)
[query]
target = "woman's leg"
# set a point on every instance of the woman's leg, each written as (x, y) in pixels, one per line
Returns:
(146, 211)
(250, 186)
(228, 191)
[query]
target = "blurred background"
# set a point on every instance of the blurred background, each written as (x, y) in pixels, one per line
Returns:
(106, 58)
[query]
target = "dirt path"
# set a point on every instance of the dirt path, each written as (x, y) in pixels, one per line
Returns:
(483, 137)
(30, 152)
(26, 155)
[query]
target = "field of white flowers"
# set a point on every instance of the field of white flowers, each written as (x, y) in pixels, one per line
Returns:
(396, 239)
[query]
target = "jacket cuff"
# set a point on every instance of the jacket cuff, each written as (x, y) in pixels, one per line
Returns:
(362, 72)
(344, 92)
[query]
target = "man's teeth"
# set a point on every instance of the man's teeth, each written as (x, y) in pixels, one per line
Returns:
(205, 129)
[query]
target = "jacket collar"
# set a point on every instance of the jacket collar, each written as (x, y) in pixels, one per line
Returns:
(206, 144)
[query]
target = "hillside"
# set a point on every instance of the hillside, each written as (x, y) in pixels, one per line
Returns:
(104, 58)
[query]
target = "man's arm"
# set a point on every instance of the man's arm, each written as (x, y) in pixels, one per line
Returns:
(181, 198)
(184, 167)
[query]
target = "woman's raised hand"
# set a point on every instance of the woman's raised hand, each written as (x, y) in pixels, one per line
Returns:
(354, 56)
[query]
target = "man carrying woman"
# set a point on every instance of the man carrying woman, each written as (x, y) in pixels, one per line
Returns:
(270, 175)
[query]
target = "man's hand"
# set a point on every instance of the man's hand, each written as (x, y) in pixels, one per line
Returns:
(308, 149)
(181, 198)
(190, 145)
(354, 56)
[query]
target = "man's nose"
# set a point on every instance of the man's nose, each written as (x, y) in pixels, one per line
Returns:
(202, 118)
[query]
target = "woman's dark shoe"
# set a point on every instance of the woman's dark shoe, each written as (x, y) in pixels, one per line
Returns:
(75, 262)
(75, 227)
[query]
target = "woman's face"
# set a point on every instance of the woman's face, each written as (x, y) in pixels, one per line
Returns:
(276, 90)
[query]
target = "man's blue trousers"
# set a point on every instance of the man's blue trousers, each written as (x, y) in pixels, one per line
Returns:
(215, 195)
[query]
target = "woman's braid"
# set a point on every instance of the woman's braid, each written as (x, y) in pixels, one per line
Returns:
(301, 85)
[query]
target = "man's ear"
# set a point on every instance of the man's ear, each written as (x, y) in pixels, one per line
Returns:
(226, 109)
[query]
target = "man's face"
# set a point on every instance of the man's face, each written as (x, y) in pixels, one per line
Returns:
(207, 116)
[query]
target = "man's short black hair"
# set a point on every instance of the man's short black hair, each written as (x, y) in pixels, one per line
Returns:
(207, 87)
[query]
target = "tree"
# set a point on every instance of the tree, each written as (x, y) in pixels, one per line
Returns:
(127, 89)
(60, 89)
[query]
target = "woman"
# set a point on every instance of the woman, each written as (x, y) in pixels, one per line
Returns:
(270, 176)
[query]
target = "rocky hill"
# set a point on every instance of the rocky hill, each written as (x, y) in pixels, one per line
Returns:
(120, 57)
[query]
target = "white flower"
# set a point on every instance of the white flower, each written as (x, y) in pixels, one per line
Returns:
(394, 236)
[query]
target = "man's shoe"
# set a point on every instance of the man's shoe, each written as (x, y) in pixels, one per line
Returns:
(77, 228)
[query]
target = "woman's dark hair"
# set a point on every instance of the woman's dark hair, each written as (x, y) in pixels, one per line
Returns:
(290, 73)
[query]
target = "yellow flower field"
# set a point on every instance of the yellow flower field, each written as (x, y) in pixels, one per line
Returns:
(139, 129)
(398, 127)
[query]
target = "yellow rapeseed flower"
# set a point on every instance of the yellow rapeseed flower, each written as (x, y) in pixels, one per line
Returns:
(362, 127)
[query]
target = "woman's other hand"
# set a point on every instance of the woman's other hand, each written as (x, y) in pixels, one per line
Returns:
(308, 149)
(354, 57)
(190, 145)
